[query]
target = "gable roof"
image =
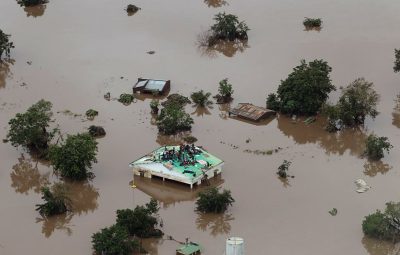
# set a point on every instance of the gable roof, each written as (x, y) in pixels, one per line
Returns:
(250, 111)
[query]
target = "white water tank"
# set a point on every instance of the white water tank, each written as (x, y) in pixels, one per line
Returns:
(234, 246)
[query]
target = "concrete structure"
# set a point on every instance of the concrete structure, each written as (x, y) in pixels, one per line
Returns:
(251, 112)
(185, 164)
(234, 246)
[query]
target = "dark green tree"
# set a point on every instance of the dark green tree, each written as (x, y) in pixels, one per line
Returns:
(5, 44)
(228, 27)
(177, 100)
(311, 23)
(56, 200)
(358, 100)
(396, 67)
(126, 99)
(384, 225)
(283, 168)
(74, 158)
(305, 90)
(375, 146)
(113, 240)
(273, 102)
(200, 98)
(142, 221)
(225, 92)
(154, 106)
(213, 201)
(29, 129)
(28, 3)
(173, 119)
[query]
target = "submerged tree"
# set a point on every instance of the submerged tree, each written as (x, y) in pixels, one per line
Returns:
(228, 27)
(225, 92)
(74, 158)
(154, 106)
(142, 221)
(283, 168)
(173, 119)
(113, 240)
(311, 23)
(384, 225)
(5, 44)
(29, 129)
(396, 67)
(305, 90)
(358, 100)
(375, 146)
(90, 114)
(56, 200)
(213, 201)
(200, 98)
(28, 3)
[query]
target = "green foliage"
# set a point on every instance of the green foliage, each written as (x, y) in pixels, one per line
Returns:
(173, 119)
(177, 100)
(29, 129)
(213, 201)
(154, 106)
(200, 98)
(312, 23)
(73, 158)
(283, 168)
(56, 200)
(273, 102)
(358, 100)
(90, 114)
(28, 3)
(375, 146)
(131, 8)
(306, 89)
(228, 27)
(396, 67)
(225, 91)
(126, 99)
(96, 131)
(141, 221)
(114, 240)
(5, 44)
(385, 225)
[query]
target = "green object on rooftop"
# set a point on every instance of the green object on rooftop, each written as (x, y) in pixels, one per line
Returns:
(189, 249)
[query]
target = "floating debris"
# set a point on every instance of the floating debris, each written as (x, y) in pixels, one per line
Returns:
(263, 152)
(107, 96)
(333, 212)
(69, 113)
(361, 186)
(151, 52)
(309, 120)
(248, 140)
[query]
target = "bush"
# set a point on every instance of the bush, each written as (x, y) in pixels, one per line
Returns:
(90, 114)
(385, 225)
(73, 158)
(283, 168)
(131, 8)
(396, 67)
(173, 119)
(56, 200)
(312, 23)
(306, 89)
(154, 106)
(28, 3)
(375, 146)
(29, 129)
(213, 201)
(228, 27)
(141, 221)
(114, 240)
(358, 100)
(126, 99)
(177, 100)
(5, 44)
(96, 131)
(200, 98)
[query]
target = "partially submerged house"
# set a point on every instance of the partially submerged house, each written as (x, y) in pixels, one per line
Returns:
(251, 112)
(187, 164)
(189, 248)
(152, 86)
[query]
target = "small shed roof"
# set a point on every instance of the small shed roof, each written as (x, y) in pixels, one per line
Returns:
(189, 249)
(150, 84)
(252, 112)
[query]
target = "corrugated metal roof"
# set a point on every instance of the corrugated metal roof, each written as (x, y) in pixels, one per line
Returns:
(251, 111)
(189, 249)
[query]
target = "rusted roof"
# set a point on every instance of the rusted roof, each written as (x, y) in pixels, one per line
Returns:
(252, 112)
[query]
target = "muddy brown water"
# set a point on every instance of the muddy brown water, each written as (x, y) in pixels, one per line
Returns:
(73, 52)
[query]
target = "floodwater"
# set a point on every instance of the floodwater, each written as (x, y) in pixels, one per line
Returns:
(73, 52)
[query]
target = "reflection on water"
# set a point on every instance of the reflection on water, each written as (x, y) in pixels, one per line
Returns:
(215, 3)
(396, 112)
(151, 244)
(372, 168)
(201, 111)
(144, 96)
(170, 192)
(217, 223)
(26, 176)
(57, 222)
(285, 182)
(224, 110)
(378, 247)
(176, 139)
(227, 48)
(83, 197)
(5, 71)
(351, 140)
(35, 11)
